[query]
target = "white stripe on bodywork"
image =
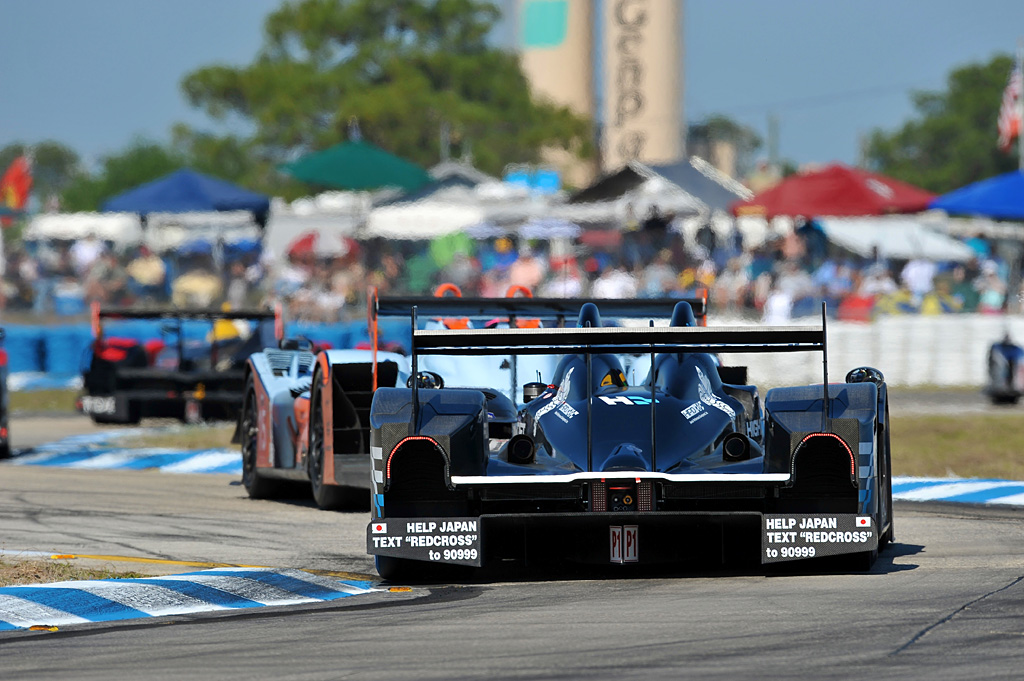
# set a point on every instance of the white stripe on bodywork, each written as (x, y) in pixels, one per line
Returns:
(621, 475)
(377, 453)
(378, 476)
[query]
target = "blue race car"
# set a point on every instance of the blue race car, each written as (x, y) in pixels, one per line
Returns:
(595, 467)
(1005, 372)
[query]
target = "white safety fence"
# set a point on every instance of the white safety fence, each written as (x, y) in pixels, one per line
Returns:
(948, 350)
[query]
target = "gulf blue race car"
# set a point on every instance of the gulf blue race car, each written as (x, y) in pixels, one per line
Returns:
(603, 464)
(305, 416)
(305, 412)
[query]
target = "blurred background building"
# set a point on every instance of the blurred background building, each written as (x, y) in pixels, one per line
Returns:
(618, 61)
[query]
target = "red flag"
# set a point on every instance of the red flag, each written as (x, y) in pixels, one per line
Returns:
(15, 186)
(1009, 112)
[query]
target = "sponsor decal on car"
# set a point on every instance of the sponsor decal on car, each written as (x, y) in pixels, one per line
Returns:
(557, 401)
(695, 412)
(628, 400)
(794, 536)
(437, 540)
(708, 397)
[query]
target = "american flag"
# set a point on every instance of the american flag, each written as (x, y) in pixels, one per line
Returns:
(1009, 112)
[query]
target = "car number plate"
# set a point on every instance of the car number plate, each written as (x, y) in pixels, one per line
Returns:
(624, 543)
(99, 405)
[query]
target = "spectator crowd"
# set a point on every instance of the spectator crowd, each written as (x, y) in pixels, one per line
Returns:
(786, 276)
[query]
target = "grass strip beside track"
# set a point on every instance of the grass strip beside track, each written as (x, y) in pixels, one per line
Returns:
(13, 572)
(966, 445)
(57, 401)
(203, 436)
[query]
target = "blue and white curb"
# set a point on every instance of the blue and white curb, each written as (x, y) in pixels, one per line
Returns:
(38, 380)
(66, 603)
(96, 451)
(963, 490)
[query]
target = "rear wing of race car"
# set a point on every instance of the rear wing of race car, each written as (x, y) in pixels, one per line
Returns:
(636, 340)
(549, 309)
(177, 316)
(517, 311)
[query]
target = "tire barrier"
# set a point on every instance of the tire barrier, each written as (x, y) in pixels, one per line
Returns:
(942, 351)
(61, 352)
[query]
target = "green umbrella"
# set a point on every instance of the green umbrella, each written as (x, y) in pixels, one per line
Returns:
(357, 165)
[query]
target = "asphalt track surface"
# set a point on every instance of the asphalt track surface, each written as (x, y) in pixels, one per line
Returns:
(946, 601)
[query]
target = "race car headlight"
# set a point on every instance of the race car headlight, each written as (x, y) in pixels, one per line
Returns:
(521, 449)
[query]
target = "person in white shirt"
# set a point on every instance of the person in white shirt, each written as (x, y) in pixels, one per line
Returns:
(85, 252)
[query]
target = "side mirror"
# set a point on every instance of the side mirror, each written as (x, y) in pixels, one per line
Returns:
(865, 375)
(428, 380)
(296, 344)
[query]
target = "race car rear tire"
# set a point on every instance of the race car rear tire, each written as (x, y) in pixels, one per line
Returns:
(257, 485)
(397, 569)
(327, 497)
(418, 571)
(5, 450)
(890, 532)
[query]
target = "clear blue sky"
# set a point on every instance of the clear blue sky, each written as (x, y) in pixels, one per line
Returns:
(95, 73)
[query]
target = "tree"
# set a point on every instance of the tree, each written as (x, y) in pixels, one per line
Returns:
(402, 68)
(702, 137)
(140, 162)
(952, 142)
(54, 166)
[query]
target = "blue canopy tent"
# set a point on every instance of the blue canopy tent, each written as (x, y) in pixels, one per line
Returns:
(1000, 197)
(186, 191)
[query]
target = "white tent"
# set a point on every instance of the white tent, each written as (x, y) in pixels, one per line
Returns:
(169, 231)
(421, 219)
(124, 229)
(332, 216)
(901, 237)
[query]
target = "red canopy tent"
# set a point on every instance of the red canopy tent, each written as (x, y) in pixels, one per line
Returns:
(836, 190)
